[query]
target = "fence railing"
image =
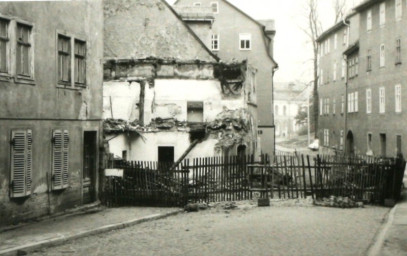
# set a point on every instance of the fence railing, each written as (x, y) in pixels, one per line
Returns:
(214, 179)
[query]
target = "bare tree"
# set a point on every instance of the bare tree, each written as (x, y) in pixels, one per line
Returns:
(313, 31)
(339, 9)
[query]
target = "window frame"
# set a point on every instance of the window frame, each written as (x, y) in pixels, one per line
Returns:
(382, 56)
(212, 6)
(71, 85)
(398, 5)
(398, 51)
(369, 20)
(368, 101)
(397, 98)
(382, 14)
(21, 78)
(64, 151)
(369, 61)
(27, 162)
(5, 74)
(191, 106)
(213, 40)
(382, 100)
(83, 58)
(242, 37)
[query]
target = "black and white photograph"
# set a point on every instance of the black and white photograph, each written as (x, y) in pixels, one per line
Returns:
(203, 127)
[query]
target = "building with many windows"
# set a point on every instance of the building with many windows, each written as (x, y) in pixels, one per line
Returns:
(361, 109)
(51, 106)
(237, 36)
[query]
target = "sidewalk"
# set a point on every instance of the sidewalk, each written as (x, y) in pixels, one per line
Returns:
(392, 240)
(58, 230)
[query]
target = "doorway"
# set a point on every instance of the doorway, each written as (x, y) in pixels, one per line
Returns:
(350, 150)
(89, 166)
(383, 144)
(165, 157)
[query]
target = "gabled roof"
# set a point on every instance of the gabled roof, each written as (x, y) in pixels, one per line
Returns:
(335, 27)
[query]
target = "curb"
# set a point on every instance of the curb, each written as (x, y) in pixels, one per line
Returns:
(103, 229)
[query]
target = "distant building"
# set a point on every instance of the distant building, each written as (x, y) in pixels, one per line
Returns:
(51, 106)
(234, 35)
(166, 96)
(289, 100)
(362, 77)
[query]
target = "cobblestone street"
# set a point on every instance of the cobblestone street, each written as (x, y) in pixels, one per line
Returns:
(248, 230)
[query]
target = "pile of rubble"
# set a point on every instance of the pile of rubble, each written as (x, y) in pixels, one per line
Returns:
(338, 202)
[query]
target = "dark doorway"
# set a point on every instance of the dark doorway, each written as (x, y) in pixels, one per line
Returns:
(165, 157)
(383, 144)
(350, 150)
(241, 151)
(398, 144)
(89, 166)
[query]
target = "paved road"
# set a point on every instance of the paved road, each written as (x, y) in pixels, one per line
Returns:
(276, 230)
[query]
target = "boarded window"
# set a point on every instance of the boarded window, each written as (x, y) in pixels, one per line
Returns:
(195, 111)
(60, 159)
(23, 54)
(21, 163)
(80, 63)
(4, 39)
(64, 59)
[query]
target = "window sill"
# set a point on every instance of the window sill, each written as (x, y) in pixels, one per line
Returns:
(398, 63)
(245, 49)
(24, 80)
(80, 86)
(5, 77)
(69, 87)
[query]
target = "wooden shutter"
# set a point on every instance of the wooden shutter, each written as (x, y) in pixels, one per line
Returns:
(60, 159)
(21, 163)
(57, 159)
(65, 150)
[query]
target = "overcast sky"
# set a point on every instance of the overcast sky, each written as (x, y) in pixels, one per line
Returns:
(292, 49)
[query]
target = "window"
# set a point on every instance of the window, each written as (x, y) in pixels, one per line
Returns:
(60, 159)
(195, 111)
(342, 104)
(326, 137)
(334, 71)
(399, 9)
(197, 4)
(341, 140)
(284, 110)
(382, 100)
(23, 51)
(350, 103)
(321, 107)
(383, 144)
(215, 42)
(345, 37)
(21, 163)
(343, 68)
(4, 45)
(369, 144)
(369, 61)
(382, 14)
(335, 41)
(398, 98)
(368, 101)
(71, 49)
(369, 20)
(382, 56)
(215, 7)
(353, 66)
(356, 102)
(334, 106)
(124, 155)
(245, 41)
(64, 59)
(327, 106)
(353, 104)
(80, 63)
(398, 51)
(398, 144)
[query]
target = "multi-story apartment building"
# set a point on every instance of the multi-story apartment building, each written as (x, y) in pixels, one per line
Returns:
(371, 117)
(51, 106)
(237, 36)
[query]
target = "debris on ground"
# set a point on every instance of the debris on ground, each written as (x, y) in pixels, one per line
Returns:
(338, 202)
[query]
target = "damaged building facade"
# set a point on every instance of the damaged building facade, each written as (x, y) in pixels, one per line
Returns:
(51, 106)
(166, 95)
(234, 35)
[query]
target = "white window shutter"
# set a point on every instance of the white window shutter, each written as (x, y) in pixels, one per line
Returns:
(65, 166)
(21, 162)
(57, 159)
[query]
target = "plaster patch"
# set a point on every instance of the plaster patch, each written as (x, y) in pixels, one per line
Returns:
(41, 189)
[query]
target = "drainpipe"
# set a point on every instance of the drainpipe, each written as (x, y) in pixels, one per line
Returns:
(345, 58)
(273, 71)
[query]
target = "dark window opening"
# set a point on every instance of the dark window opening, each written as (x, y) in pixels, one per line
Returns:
(195, 112)
(383, 144)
